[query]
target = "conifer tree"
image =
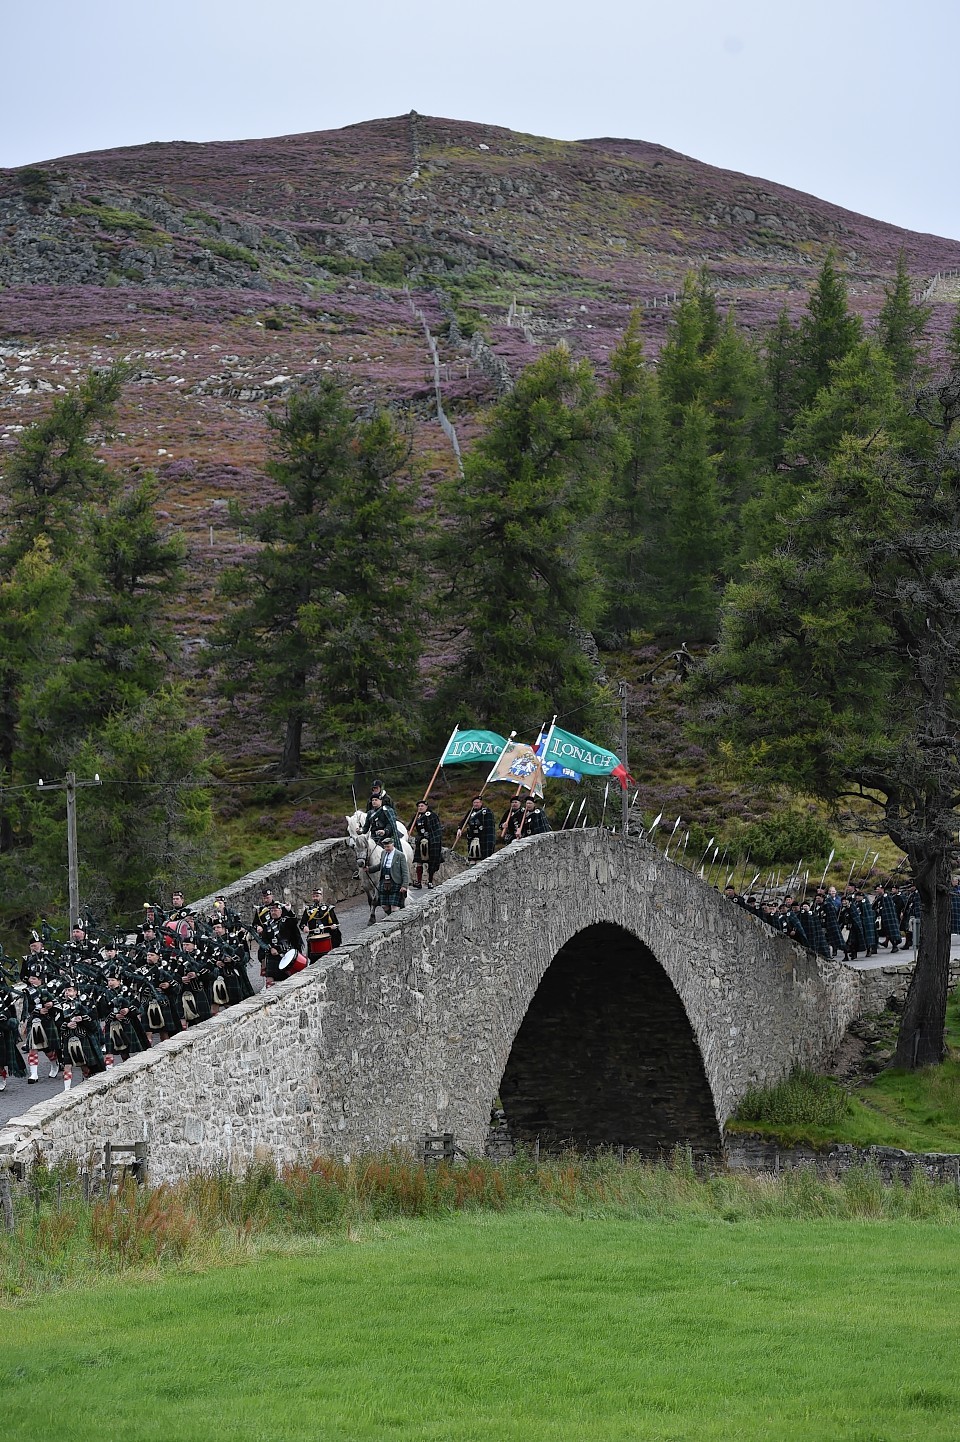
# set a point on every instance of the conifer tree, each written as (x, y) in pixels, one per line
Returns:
(632, 526)
(953, 340)
(681, 365)
(320, 627)
(518, 555)
(781, 361)
(827, 331)
(837, 664)
(84, 571)
(692, 556)
(901, 325)
(733, 395)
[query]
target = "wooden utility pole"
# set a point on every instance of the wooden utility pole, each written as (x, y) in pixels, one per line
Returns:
(624, 800)
(69, 784)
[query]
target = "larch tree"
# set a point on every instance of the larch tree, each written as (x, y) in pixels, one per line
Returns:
(518, 556)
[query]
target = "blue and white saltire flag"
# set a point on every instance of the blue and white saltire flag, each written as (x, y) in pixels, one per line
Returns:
(553, 768)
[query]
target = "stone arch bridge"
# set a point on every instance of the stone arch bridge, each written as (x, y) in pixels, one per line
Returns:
(605, 994)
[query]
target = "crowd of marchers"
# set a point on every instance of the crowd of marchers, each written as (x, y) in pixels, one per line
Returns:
(78, 1006)
(857, 922)
(480, 829)
(101, 996)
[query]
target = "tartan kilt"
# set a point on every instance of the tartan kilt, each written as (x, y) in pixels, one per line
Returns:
(161, 1015)
(80, 1048)
(832, 927)
(388, 892)
(195, 1003)
(869, 922)
(889, 919)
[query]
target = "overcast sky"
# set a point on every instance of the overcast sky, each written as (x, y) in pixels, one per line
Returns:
(852, 100)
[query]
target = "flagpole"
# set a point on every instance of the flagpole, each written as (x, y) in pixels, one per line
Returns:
(436, 772)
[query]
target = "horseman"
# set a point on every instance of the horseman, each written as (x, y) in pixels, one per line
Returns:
(377, 789)
(380, 823)
(427, 843)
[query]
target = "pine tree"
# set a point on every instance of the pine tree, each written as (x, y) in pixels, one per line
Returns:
(827, 332)
(55, 468)
(322, 614)
(84, 572)
(632, 526)
(901, 326)
(782, 386)
(681, 367)
(837, 664)
(953, 340)
(733, 395)
(694, 547)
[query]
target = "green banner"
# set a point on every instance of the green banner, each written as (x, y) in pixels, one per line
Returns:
(565, 749)
(466, 746)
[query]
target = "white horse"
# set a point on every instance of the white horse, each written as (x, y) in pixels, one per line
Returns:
(368, 855)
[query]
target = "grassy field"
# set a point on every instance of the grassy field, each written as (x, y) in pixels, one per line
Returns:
(517, 1326)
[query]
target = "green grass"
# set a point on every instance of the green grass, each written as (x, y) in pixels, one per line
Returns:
(524, 1326)
(916, 1111)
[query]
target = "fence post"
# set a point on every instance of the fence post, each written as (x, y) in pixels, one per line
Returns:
(6, 1196)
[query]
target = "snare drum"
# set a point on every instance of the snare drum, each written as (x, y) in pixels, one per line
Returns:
(291, 961)
(318, 944)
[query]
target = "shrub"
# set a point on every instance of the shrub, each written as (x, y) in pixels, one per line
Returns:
(802, 1099)
(785, 836)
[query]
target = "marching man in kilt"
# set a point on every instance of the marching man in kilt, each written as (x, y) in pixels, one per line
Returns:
(10, 1058)
(886, 907)
(481, 830)
(534, 821)
(427, 844)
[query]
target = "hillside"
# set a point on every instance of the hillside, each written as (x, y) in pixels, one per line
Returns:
(223, 272)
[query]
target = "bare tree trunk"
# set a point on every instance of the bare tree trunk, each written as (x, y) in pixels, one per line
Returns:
(921, 1039)
(290, 760)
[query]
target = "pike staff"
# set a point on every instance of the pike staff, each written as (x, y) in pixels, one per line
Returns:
(823, 878)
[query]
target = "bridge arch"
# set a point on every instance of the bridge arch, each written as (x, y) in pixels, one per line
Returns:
(606, 1055)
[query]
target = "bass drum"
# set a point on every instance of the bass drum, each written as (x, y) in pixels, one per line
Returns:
(291, 961)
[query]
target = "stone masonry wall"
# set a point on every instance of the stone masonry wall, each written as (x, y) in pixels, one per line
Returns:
(408, 1029)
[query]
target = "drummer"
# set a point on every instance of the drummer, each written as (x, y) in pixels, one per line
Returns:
(320, 923)
(279, 936)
